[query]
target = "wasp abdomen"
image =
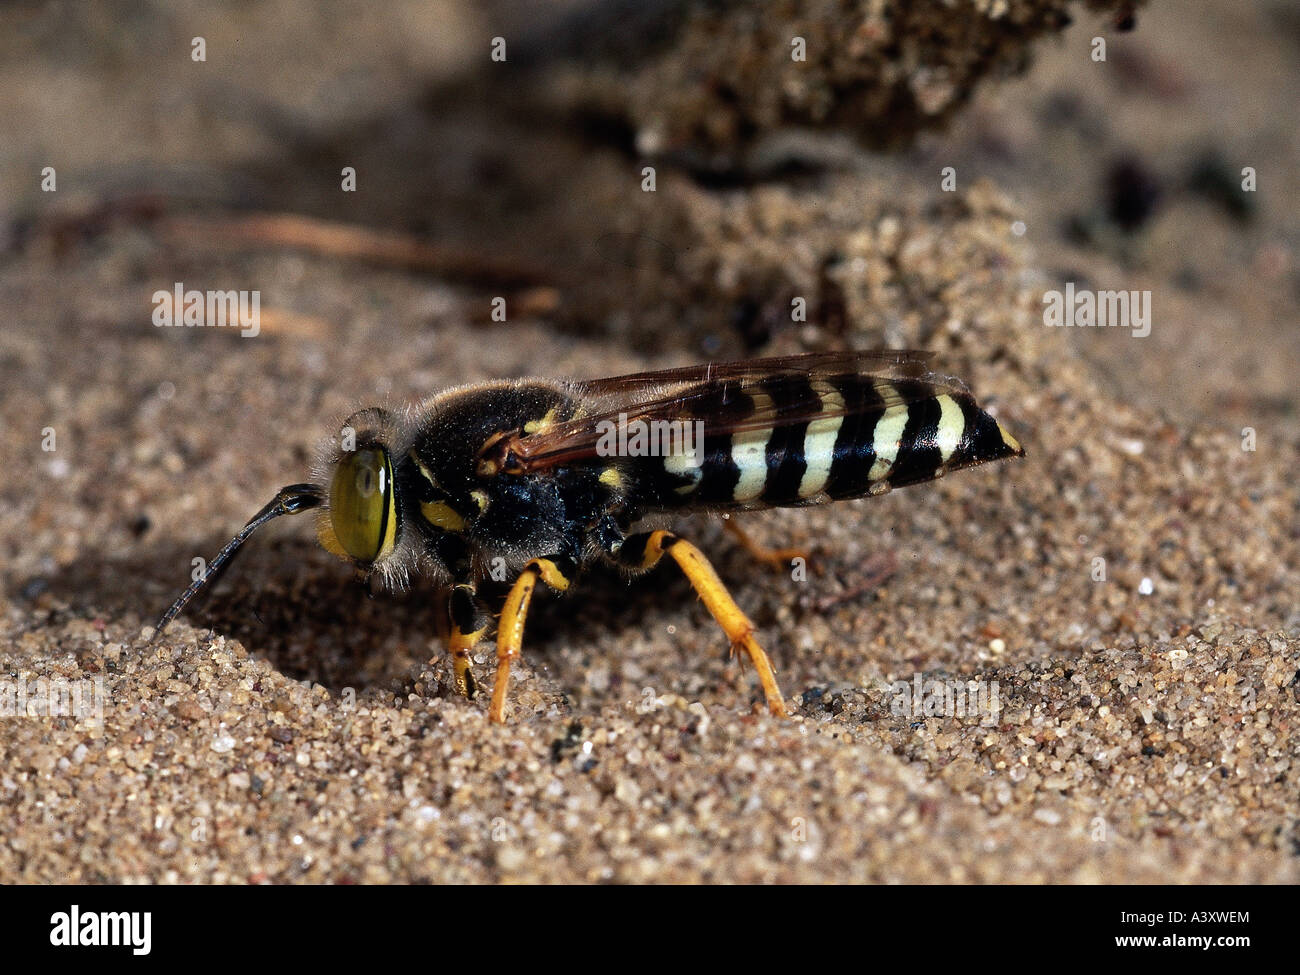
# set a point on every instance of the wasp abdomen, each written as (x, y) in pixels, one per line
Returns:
(831, 437)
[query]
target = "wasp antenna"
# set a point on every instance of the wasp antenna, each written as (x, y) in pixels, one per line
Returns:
(288, 501)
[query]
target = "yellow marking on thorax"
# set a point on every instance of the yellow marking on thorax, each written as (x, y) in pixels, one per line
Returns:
(442, 515)
(424, 471)
(439, 513)
(489, 467)
(545, 423)
(610, 477)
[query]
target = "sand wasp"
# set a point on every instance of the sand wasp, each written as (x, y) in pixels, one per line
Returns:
(534, 479)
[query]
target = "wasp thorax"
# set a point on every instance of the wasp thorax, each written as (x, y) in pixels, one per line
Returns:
(362, 504)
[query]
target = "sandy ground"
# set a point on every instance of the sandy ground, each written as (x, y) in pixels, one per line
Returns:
(1129, 588)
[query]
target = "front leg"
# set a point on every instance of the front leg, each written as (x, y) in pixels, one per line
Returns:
(468, 620)
(557, 572)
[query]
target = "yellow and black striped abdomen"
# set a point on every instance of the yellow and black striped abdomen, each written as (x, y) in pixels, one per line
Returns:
(796, 440)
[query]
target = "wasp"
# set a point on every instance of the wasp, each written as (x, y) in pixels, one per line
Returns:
(534, 480)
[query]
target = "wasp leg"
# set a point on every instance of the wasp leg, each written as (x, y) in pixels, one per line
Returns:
(778, 558)
(556, 573)
(644, 552)
(468, 620)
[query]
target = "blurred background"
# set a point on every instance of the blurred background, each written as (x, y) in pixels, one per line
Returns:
(1125, 172)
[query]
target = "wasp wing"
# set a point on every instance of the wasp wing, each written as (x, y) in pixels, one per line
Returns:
(898, 363)
(707, 392)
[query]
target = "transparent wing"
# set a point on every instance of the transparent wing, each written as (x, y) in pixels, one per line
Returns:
(704, 392)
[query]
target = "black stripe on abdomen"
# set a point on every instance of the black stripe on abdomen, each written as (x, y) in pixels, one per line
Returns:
(719, 473)
(791, 396)
(854, 452)
(918, 458)
(981, 438)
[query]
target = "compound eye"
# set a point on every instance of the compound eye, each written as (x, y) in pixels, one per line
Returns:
(362, 507)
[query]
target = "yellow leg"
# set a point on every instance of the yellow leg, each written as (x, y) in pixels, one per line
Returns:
(510, 630)
(467, 622)
(459, 646)
(645, 551)
(778, 558)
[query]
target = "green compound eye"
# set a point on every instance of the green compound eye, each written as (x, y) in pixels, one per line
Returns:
(362, 505)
